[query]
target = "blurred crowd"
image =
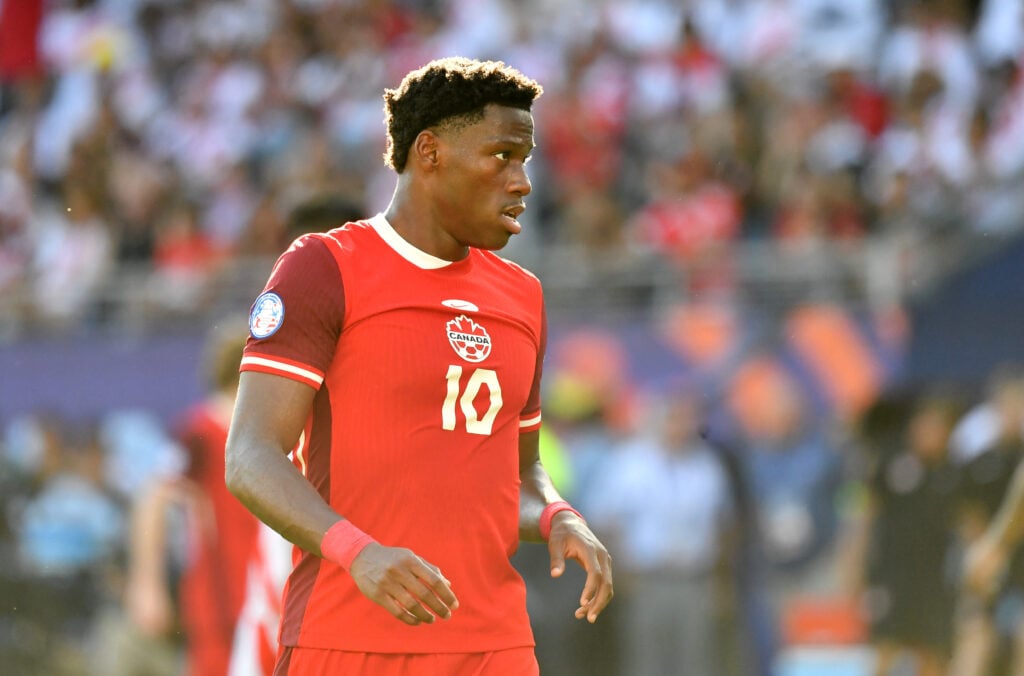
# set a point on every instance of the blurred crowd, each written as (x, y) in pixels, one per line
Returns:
(173, 138)
(743, 525)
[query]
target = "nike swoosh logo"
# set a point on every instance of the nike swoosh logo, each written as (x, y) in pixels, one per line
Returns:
(457, 304)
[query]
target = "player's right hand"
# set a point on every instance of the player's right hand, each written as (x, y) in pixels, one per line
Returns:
(408, 587)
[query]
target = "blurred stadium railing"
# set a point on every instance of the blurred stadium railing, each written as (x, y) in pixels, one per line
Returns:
(765, 277)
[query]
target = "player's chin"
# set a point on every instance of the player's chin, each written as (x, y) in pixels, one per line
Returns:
(494, 241)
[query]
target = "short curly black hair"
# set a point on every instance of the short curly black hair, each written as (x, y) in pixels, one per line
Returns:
(453, 89)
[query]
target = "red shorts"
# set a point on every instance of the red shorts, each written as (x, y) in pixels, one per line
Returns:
(315, 662)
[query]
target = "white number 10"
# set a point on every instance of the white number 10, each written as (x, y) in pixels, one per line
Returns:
(479, 377)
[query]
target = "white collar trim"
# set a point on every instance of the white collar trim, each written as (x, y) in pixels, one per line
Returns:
(420, 259)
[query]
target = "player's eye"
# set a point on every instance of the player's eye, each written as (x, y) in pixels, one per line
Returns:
(503, 155)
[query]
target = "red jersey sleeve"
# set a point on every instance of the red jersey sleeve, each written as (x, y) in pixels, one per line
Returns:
(530, 417)
(294, 325)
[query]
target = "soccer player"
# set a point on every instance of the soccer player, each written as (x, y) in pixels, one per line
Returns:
(399, 360)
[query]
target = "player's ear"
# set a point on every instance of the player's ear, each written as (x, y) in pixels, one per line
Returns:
(425, 149)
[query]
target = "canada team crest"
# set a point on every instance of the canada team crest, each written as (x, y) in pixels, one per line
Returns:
(469, 340)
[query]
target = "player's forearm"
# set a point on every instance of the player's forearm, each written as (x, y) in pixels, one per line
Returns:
(536, 491)
(269, 485)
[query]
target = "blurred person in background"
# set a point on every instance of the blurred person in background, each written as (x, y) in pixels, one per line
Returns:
(665, 503)
(320, 213)
(563, 648)
(191, 539)
(73, 257)
(692, 217)
(254, 645)
(184, 262)
(586, 412)
(989, 568)
(68, 527)
(991, 624)
(792, 461)
(588, 393)
(905, 578)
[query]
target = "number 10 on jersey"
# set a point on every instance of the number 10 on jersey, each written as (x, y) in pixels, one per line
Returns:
(466, 398)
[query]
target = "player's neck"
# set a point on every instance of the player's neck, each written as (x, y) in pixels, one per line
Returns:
(417, 223)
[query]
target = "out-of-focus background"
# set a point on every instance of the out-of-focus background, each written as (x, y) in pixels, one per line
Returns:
(781, 242)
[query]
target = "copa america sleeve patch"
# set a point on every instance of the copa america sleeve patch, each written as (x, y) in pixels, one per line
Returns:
(266, 316)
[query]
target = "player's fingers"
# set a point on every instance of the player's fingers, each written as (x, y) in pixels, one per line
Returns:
(394, 607)
(441, 588)
(595, 576)
(605, 592)
(396, 587)
(428, 593)
(598, 588)
(412, 605)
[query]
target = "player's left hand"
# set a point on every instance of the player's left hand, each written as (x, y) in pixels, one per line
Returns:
(571, 538)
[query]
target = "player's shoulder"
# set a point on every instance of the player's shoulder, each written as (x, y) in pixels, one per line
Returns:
(344, 235)
(335, 243)
(509, 267)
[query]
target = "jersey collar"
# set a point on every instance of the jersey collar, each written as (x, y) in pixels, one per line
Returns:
(420, 259)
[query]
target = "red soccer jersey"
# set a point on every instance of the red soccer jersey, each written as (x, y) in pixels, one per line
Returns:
(426, 373)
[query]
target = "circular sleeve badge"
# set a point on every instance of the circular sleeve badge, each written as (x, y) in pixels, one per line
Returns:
(266, 316)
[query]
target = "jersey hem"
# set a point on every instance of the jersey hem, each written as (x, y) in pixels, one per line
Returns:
(424, 646)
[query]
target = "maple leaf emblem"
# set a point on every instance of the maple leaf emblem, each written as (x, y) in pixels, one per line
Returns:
(469, 339)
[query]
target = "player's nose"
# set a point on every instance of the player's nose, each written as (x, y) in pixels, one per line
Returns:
(520, 184)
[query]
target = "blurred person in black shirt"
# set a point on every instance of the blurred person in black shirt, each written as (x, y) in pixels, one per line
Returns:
(991, 637)
(904, 565)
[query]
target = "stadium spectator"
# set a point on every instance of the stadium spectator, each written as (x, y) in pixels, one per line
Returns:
(68, 529)
(692, 218)
(665, 504)
(910, 536)
(185, 260)
(72, 259)
(794, 465)
(989, 623)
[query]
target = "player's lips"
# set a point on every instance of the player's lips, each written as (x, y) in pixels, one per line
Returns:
(510, 214)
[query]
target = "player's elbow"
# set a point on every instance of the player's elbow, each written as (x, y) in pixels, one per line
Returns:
(235, 476)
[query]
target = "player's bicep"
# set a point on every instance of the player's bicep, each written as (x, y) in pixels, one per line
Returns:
(269, 410)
